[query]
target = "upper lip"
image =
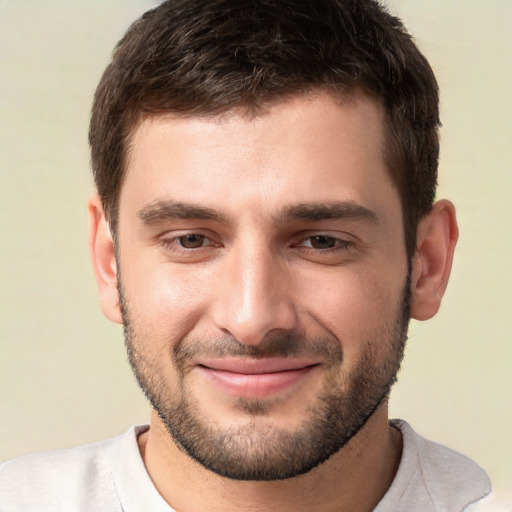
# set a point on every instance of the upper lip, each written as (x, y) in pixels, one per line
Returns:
(253, 366)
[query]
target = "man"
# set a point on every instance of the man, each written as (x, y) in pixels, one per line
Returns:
(264, 229)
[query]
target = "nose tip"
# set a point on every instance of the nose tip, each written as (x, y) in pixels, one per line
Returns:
(251, 326)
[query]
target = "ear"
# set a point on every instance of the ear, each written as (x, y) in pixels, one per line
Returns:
(437, 236)
(101, 248)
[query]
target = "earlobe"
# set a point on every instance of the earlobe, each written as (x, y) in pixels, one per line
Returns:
(437, 236)
(102, 251)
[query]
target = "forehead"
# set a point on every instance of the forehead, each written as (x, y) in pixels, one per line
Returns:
(304, 148)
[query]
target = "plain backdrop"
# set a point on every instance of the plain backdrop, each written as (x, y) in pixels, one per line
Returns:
(64, 379)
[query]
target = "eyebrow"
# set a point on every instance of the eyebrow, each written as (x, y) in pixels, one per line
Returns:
(326, 211)
(163, 210)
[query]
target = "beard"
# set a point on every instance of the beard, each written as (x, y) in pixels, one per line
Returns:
(259, 450)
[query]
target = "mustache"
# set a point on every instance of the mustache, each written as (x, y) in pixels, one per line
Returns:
(282, 344)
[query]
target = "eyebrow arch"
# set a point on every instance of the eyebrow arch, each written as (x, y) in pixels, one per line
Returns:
(163, 210)
(325, 211)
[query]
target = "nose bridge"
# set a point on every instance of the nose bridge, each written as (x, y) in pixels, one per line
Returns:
(254, 297)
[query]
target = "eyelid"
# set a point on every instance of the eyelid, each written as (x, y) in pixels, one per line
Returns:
(170, 239)
(343, 237)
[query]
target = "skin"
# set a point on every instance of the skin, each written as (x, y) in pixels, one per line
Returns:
(257, 273)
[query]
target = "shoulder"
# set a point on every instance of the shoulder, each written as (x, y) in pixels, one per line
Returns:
(492, 503)
(71, 479)
(434, 475)
(442, 466)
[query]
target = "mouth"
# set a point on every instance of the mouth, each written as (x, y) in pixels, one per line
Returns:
(255, 378)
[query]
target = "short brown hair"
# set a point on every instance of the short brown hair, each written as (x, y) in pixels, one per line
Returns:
(205, 57)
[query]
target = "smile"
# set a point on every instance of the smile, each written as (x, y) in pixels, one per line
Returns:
(255, 378)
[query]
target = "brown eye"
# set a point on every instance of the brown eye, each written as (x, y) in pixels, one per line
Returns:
(323, 242)
(192, 241)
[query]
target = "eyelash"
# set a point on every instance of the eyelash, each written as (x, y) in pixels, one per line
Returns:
(175, 245)
(341, 244)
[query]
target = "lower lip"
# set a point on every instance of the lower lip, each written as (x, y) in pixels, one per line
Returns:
(255, 385)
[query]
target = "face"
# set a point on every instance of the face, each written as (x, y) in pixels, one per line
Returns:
(263, 280)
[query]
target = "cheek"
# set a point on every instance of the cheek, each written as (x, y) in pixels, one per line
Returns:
(166, 301)
(356, 307)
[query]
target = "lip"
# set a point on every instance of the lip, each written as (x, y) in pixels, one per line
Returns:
(255, 378)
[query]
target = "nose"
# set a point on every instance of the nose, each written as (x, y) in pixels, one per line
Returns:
(254, 295)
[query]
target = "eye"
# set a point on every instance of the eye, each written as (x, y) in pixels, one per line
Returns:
(326, 248)
(192, 241)
(324, 242)
(188, 246)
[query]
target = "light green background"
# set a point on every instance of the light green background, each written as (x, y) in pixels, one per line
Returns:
(64, 379)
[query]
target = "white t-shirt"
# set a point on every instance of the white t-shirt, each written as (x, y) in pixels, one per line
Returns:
(110, 476)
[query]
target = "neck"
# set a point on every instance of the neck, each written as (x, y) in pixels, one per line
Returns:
(355, 478)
